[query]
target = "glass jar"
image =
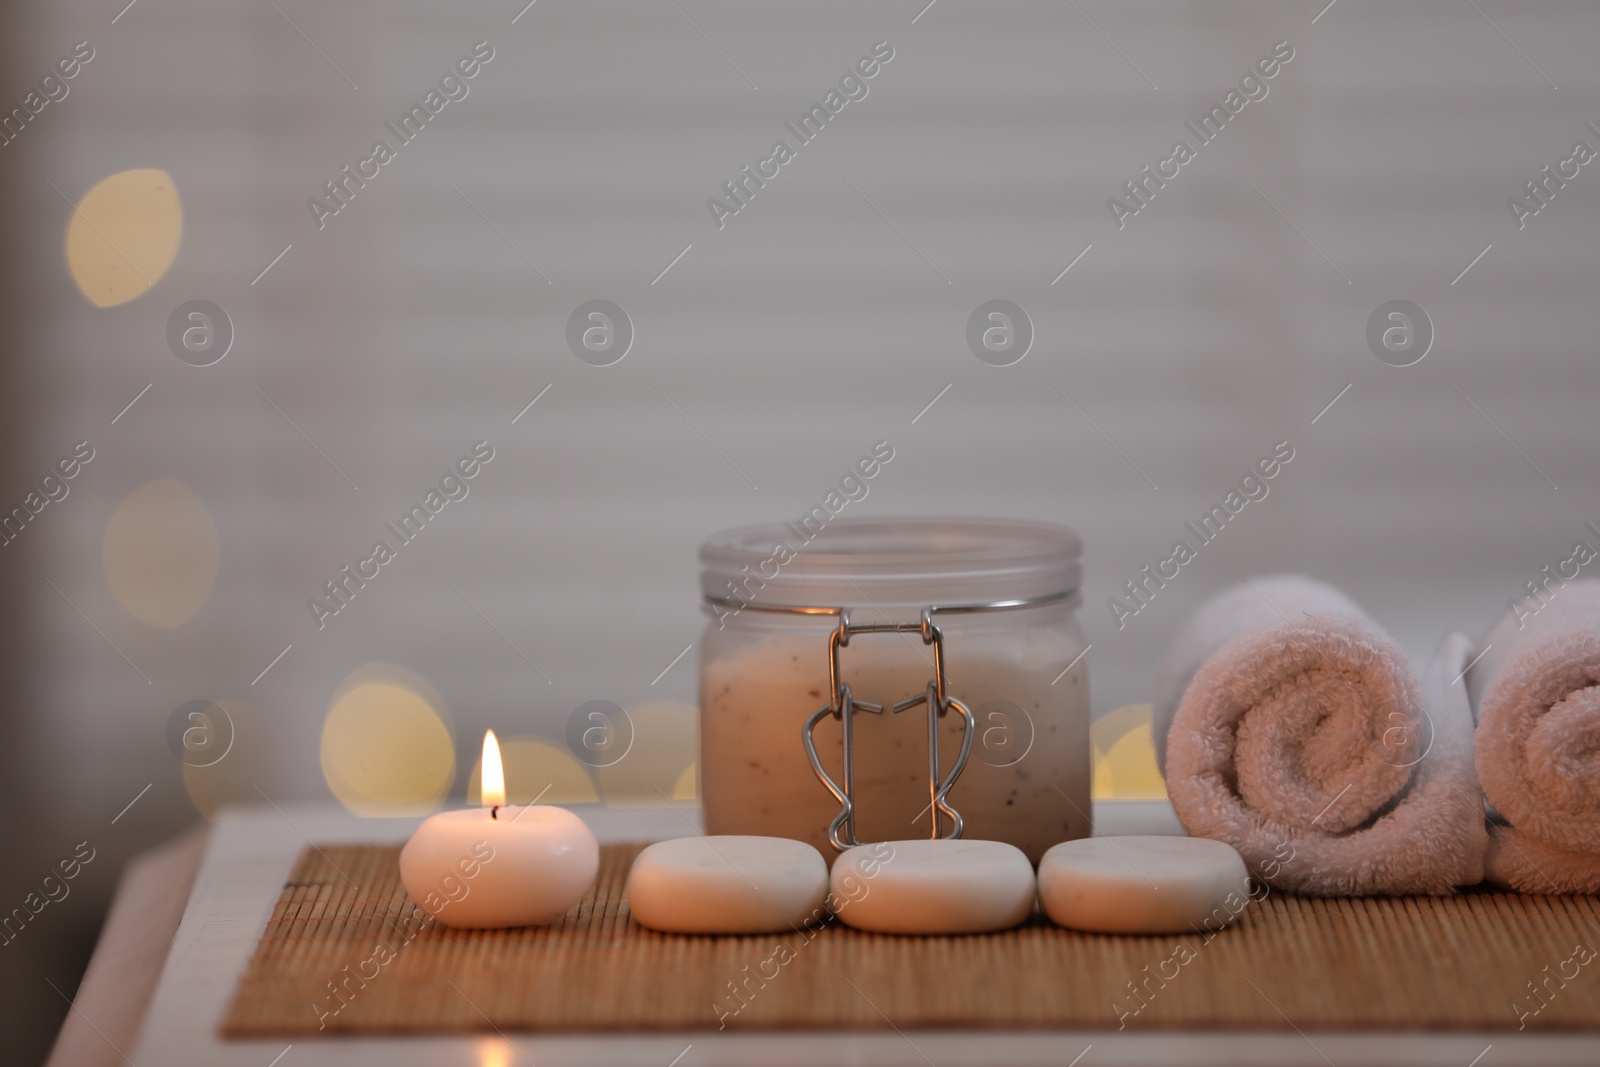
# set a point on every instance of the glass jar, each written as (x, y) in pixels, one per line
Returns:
(1005, 596)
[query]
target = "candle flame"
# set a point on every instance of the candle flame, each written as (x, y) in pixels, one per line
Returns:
(493, 776)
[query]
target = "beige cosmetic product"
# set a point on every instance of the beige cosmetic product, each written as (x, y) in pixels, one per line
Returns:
(992, 602)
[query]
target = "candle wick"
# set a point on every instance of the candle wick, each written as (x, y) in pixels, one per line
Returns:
(493, 813)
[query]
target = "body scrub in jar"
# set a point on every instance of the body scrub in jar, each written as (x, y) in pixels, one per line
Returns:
(1003, 598)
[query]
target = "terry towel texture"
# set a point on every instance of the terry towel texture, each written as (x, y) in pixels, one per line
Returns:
(1289, 725)
(1537, 692)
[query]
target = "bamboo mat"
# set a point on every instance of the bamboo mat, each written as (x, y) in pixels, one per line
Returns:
(356, 957)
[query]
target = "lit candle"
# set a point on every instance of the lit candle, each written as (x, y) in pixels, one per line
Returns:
(499, 865)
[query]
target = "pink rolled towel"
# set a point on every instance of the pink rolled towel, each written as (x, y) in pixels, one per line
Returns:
(1291, 727)
(1537, 692)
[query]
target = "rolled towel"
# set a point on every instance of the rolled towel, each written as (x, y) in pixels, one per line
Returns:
(1290, 726)
(1536, 688)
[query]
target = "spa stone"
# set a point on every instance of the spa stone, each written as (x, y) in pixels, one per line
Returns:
(933, 887)
(1143, 885)
(727, 885)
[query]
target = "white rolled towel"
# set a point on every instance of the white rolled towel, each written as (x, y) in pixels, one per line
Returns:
(1290, 726)
(1536, 689)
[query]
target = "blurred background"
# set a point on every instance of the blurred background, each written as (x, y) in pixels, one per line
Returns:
(364, 352)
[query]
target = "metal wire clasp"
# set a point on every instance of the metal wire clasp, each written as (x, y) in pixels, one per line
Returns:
(843, 705)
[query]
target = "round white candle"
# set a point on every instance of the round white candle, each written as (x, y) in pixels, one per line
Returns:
(499, 865)
(727, 885)
(1143, 885)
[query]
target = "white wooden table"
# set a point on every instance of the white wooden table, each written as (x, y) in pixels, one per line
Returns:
(118, 1019)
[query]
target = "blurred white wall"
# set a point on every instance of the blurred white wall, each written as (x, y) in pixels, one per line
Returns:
(823, 317)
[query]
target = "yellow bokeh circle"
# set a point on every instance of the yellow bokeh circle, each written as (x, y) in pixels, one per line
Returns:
(123, 235)
(688, 784)
(537, 769)
(666, 742)
(160, 553)
(387, 745)
(229, 780)
(1125, 756)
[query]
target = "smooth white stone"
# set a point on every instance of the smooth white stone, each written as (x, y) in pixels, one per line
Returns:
(727, 885)
(520, 866)
(932, 887)
(1143, 885)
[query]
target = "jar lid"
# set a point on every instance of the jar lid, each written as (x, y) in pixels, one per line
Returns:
(900, 562)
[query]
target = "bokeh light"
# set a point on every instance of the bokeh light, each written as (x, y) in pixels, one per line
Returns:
(161, 554)
(666, 743)
(386, 744)
(494, 1052)
(123, 235)
(1125, 756)
(688, 786)
(534, 766)
(213, 786)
